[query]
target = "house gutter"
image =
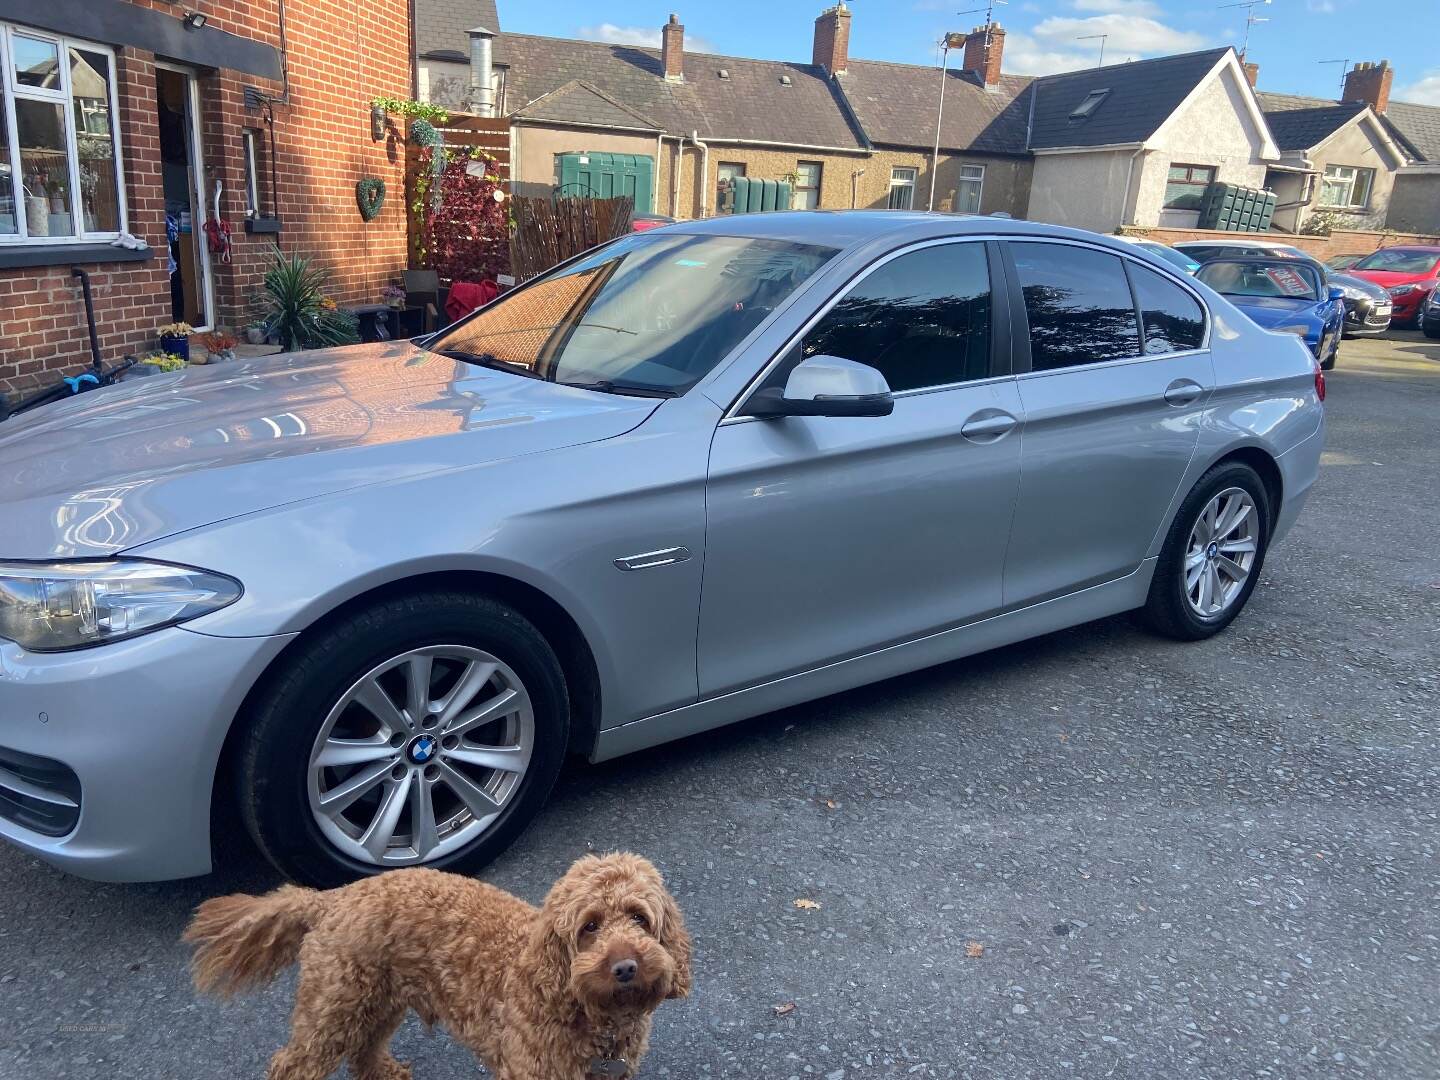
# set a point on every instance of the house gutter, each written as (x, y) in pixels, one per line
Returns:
(1127, 212)
(676, 172)
(702, 178)
(788, 146)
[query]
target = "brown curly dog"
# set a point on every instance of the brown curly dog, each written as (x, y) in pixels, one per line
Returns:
(564, 992)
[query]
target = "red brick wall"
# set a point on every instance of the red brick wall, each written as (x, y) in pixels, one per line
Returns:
(341, 54)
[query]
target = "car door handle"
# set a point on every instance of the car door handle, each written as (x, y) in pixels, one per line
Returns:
(1183, 392)
(988, 425)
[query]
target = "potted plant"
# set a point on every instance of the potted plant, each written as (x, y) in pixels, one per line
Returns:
(164, 361)
(295, 312)
(175, 338)
(394, 296)
(220, 345)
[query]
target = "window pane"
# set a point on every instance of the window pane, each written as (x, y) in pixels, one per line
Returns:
(1173, 318)
(44, 167)
(922, 319)
(1360, 195)
(807, 185)
(9, 223)
(95, 140)
(967, 197)
(37, 63)
(1335, 193)
(1078, 303)
(902, 189)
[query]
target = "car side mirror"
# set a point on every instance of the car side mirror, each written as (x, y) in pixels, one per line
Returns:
(826, 386)
(1337, 293)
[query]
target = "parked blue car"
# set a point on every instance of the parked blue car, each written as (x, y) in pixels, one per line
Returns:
(1285, 295)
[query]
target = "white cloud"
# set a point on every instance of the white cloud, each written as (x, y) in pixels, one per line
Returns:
(1119, 7)
(1026, 56)
(1320, 7)
(637, 35)
(1424, 92)
(1128, 34)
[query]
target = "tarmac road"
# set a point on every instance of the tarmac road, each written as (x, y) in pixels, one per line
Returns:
(1213, 860)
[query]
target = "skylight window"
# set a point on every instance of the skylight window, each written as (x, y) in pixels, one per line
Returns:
(1092, 102)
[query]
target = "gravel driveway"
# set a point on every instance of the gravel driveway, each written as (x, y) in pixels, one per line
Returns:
(1095, 854)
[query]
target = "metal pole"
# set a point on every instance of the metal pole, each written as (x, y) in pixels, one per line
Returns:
(939, 115)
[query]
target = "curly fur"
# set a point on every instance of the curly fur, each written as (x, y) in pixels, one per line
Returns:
(532, 992)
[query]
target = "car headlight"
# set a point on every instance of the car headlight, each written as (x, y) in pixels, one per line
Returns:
(52, 607)
(1403, 290)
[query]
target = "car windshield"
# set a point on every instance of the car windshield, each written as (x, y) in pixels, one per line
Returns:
(1400, 261)
(647, 314)
(1281, 277)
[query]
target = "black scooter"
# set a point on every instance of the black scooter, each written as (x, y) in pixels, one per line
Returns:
(97, 375)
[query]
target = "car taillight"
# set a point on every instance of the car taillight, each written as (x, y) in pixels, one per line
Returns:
(1319, 383)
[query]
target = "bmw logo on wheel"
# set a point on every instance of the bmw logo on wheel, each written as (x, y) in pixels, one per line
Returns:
(422, 749)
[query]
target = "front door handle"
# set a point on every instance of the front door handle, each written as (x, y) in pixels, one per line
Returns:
(988, 425)
(1183, 392)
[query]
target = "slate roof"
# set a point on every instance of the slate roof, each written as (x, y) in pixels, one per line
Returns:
(580, 103)
(896, 103)
(1142, 96)
(442, 29)
(1298, 123)
(1418, 127)
(752, 104)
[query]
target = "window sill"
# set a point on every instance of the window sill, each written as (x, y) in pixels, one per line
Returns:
(262, 225)
(19, 256)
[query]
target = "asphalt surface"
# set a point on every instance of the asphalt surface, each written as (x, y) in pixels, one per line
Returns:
(1213, 860)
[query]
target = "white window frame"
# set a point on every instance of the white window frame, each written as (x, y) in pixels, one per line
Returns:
(252, 173)
(1347, 176)
(902, 183)
(819, 179)
(11, 92)
(970, 175)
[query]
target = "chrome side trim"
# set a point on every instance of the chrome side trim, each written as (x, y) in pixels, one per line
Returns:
(647, 559)
(1074, 608)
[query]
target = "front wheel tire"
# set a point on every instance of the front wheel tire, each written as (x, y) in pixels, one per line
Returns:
(1212, 556)
(425, 730)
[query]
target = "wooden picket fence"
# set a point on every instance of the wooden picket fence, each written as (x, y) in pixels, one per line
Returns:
(549, 231)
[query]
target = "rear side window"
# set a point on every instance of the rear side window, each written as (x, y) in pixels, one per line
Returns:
(1078, 303)
(922, 319)
(1173, 319)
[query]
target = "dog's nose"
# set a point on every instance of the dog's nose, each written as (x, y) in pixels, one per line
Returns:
(624, 971)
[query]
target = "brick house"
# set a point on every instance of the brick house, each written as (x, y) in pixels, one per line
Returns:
(127, 116)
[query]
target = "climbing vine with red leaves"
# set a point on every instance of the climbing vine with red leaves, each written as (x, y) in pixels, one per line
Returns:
(465, 234)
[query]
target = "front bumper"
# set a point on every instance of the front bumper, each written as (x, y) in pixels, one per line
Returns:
(1362, 318)
(140, 724)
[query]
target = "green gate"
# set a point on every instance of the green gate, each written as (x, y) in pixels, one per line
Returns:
(601, 175)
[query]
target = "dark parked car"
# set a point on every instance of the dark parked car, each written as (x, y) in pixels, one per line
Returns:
(1367, 305)
(1285, 295)
(1430, 315)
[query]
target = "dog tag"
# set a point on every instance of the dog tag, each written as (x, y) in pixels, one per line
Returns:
(616, 1067)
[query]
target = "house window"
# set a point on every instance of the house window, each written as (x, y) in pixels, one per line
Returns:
(902, 189)
(1185, 188)
(967, 191)
(807, 184)
(252, 173)
(1091, 102)
(727, 170)
(60, 174)
(1346, 187)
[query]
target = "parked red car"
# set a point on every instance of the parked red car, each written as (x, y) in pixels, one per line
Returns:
(1409, 274)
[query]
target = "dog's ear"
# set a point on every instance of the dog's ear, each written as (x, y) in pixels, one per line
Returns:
(547, 954)
(675, 940)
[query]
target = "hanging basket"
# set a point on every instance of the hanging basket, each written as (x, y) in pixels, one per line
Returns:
(370, 197)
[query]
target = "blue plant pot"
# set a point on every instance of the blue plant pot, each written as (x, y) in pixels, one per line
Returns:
(180, 346)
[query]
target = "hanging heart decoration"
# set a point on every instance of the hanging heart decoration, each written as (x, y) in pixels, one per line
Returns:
(370, 195)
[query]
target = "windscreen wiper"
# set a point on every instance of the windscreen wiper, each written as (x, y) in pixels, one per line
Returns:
(490, 360)
(610, 386)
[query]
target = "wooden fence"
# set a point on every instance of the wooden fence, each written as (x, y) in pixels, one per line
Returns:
(492, 134)
(549, 231)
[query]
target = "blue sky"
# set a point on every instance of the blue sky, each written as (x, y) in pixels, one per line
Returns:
(1041, 35)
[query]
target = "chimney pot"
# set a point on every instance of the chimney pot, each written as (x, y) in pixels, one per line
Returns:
(1252, 73)
(672, 49)
(984, 50)
(831, 49)
(1370, 82)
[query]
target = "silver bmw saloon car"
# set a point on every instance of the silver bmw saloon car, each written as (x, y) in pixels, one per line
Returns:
(372, 597)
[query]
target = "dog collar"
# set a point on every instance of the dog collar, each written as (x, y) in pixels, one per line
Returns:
(618, 1068)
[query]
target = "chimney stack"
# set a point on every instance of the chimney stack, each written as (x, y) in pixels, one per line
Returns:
(1370, 83)
(1252, 72)
(831, 50)
(672, 49)
(984, 48)
(481, 95)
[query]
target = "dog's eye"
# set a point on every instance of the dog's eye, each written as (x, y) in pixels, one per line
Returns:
(640, 921)
(591, 927)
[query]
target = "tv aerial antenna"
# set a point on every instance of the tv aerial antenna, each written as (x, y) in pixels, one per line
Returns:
(1101, 38)
(1251, 19)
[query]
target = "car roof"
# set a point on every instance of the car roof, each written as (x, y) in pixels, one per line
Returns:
(850, 228)
(1239, 241)
(1422, 249)
(1262, 260)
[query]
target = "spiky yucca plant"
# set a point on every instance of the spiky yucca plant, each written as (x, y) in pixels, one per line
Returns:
(293, 308)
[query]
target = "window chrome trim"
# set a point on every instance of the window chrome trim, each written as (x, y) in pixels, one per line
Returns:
(1157, 267)
(843, 291)
(1100, 365)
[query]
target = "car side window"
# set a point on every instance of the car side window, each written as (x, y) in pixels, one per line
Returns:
(1172, 319)
(1078, 303)
(922, 319)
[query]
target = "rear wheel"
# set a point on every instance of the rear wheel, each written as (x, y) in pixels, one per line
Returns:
(1430, 328)
(1212, 556)
(424, 730)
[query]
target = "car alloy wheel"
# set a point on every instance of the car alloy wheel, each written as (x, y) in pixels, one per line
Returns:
(1221, 552)
(421, 755)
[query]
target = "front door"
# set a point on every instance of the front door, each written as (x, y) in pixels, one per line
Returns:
(177, 106)
(828, 537)
(1113, 406)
